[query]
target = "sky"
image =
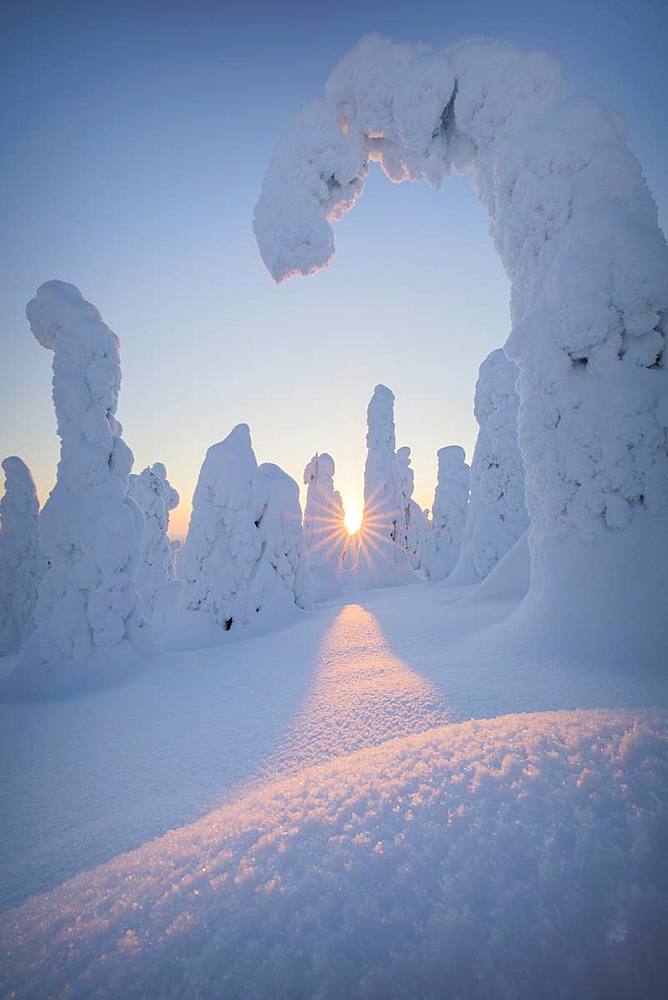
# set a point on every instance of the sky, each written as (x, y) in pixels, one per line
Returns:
(136, 136)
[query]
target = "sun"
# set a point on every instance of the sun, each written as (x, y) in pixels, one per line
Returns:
(353, 519)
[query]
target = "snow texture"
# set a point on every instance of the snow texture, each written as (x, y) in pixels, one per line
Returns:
(576, 229)
(496, 512)
(244, 554)
(22, 565)
(382, 558)
(413, 528)
(449, 512)
(155, 497)
(90, 627)
(513, 857)
(324, 530)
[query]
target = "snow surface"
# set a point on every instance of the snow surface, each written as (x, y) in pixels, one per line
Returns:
(513, 857)
(576, 228)
(22, 564)
(90, 627)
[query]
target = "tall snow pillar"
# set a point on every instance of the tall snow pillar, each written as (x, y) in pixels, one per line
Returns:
(324, 531)
(155, 497)
(89, 620)
(449, 511)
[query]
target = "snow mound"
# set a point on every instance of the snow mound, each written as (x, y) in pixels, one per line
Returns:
(514, 857)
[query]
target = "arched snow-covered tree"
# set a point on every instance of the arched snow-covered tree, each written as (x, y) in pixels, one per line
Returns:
(324, 530)
(413, 531)
(88, 616)
(22, 564)
(244, 554)
(577, 231)
(449, 511)
(382, 557)
(155, 497)
(496, 513)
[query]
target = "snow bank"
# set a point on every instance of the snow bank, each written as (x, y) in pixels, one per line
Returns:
(514, 857)
(90, 628)
(244, 562)
(22, 565)
(576, 229)
(155, 497)
(451, 501)
(382, 557)
(324, 530)
(496, 514)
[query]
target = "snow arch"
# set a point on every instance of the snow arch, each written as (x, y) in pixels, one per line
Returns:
(576, 228)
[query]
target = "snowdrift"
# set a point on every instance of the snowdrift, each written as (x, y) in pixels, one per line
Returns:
(514, 857)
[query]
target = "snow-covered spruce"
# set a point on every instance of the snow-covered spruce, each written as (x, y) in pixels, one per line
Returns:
(576, 228)
(155, 497)
(244, 554)
(451, 500)
(22, 564)
(413, 531)
(88, 616)
(175, 556)
(382, 557)
(496, 513)
(324, 531)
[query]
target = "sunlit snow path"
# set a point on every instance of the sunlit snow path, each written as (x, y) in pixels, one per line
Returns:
(362, 695)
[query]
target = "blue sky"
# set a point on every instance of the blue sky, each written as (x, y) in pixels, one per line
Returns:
(136, 138)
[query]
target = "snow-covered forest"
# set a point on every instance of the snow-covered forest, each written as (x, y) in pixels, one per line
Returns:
(422, 756)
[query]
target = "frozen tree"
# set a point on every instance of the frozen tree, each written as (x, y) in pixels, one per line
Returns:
(497, 513)
(413, 527)
(89, 625)
(382, 557)
(324, 531)
(22, 565)
(451, 501)
(576, 228)
(155, 497)
(244, 553)
(283, 568)
(175, 555)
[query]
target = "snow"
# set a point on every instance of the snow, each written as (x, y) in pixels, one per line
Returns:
(496, 515)
(449, 513)
(155, 497)
(576, 228)
(469, 857)
(22, 565)
(90, 628)
(324, 530)
(412, 534)
(382, 557)
(244, 563)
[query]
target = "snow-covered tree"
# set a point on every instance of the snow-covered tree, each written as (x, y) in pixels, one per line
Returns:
(324, 530)
(155, 497)
(88, 615)
(577, 231)
(449, 510)
(244, 553)
(413, 529)
(497, 513)
(175, 556)
(382, 557)
(22, 564)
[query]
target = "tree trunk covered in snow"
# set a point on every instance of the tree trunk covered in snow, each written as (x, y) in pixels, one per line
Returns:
(88, 616)
(22, 564)
(576, 228)
(324, 531)
(496, 513)
(449, 512)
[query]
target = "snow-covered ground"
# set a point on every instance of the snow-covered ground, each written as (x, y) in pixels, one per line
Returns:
(84, 780)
